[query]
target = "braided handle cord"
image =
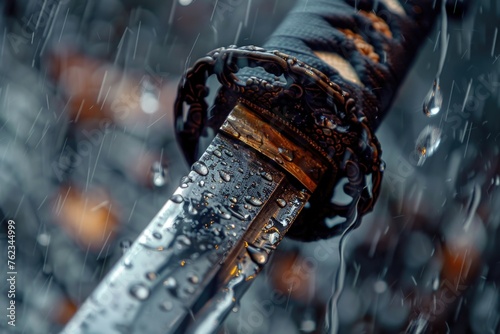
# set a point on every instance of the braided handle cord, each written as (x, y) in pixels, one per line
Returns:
(332, 79)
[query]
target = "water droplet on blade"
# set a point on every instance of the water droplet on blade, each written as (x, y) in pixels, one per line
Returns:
(253, 201)
(427, 143)
(151, 276)
(166, 306)
(281, 202)
(225, 176)
(193, 279)
(267, 176)
(200, 168)
(434, 100)
(258, 255)
(139, 291)
(177, 198)
(286, 153)
(170, 283)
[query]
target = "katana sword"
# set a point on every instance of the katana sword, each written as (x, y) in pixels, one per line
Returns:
(293, 119)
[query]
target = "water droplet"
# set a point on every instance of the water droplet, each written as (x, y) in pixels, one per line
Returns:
(167, 306)
(382, 165)
(273, 237)
(224, 214)
(157, 235)
(253, 200)
(177, 198)
(380, 286)
(228, 153)
(193, 279)
(127, 263)
(267, 176)
(201, 183)
(183, 240)
(170, 283)
(434, 99)
(240, 170)
(286, 153)
(233, 200)
(257, 255)
(139, 291)
(151, 276)
(125, 245)
(200, 168)
(435, 283)
(43, 239)
(427, 143)
(281, 202)
(279, 160)
(192, 210)
(217, 153)
(225, 176)
(158, 174)
(189, 289)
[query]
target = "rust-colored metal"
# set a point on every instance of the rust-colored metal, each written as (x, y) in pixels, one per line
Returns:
(300, 161)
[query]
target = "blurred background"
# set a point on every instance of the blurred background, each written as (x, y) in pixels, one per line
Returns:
(88, 156)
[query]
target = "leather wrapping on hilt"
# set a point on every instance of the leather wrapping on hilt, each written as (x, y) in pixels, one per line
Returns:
(319, 26)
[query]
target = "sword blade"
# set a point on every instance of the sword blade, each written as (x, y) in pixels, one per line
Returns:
(206, 245)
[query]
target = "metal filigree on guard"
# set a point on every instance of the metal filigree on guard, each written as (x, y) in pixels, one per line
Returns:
(307, 106)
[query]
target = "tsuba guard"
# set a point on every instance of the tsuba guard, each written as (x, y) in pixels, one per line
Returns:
(314, 108)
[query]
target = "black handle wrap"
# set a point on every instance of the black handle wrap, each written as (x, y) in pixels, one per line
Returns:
(294, 84)
(318, 25)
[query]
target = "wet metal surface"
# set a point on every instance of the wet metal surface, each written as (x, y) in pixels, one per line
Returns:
(227, 215)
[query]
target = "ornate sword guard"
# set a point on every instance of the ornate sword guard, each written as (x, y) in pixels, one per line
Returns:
(303, 103)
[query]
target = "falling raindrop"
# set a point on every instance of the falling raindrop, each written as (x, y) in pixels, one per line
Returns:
(139, 291)
(434, 100)
(125, 245)
(382, 165)
(435, 283)
(200, 168)
(43, 239)
(158, 174)
(427, 143)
